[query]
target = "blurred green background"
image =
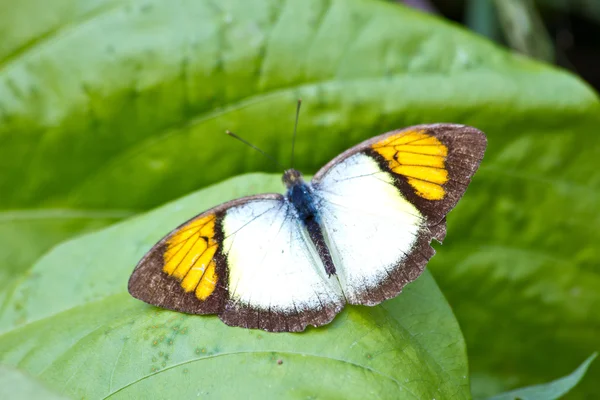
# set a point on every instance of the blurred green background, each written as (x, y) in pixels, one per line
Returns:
(110, 108)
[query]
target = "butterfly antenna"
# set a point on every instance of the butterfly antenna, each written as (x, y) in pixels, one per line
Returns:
(295, 129)
(233, 135)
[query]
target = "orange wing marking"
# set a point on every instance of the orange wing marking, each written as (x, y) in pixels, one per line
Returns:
(420, 158)
(189, 256)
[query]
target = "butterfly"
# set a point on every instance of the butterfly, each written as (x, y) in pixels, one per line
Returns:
(357, 233)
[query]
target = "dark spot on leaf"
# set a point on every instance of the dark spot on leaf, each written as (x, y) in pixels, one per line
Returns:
(279, 362)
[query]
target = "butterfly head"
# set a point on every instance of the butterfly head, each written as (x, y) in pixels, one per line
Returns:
(292, 177)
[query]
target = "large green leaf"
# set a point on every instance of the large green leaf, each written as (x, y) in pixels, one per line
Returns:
(140, 94)
(96, 341)
(120, 105)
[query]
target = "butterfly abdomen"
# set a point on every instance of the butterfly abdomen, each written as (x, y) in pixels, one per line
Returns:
(316, 235)
(301, 197)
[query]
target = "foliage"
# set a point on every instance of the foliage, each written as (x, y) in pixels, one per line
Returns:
(107, 110)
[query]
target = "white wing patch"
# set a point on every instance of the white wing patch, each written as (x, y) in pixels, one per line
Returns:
(368, 225)
(272, 264)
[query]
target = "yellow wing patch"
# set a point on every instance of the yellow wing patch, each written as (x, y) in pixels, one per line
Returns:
(189, 256)
(420, 158)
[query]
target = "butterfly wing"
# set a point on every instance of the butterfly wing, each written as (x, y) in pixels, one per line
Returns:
(249, 261)
(383, 201)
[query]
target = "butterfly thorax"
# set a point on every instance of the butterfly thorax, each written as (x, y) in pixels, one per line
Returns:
(300, 195)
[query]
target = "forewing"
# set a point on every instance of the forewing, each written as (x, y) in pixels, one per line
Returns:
(247, 261)
(431, 165)
(383, 201)
(186, 271)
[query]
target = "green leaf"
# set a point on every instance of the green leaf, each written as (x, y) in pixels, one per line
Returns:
(16, 385)
(95, 340)
(361, 67)
(109, 105)
(549, 391)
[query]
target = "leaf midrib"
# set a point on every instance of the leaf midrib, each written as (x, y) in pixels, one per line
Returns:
(203, 115)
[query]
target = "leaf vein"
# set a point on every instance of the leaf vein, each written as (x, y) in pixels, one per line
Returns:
(356, 365)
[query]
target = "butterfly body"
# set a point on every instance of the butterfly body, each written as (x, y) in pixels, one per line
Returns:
(301, 197)
(356, 234)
